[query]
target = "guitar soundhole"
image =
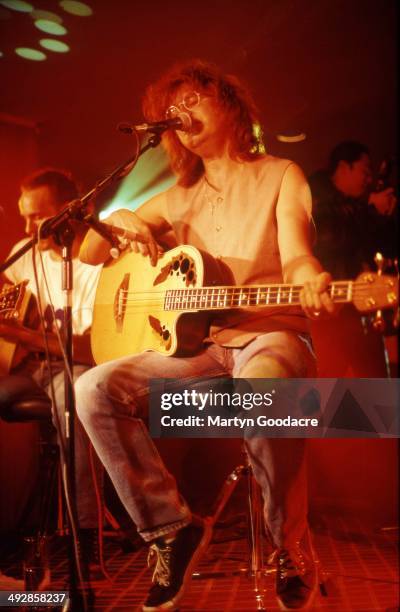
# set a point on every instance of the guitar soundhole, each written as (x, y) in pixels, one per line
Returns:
(185, 264)
(183, 267)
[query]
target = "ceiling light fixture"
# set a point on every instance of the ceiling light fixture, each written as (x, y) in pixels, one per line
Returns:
(81, 9)
(46, 16)
(50, 27)
(54, 45)
(289, 138)
(30, 54)
(17, 5)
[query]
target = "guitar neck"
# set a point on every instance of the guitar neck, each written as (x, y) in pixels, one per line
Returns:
(228, 297)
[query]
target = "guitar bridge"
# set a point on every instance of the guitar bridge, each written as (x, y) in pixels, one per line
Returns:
(120, 301)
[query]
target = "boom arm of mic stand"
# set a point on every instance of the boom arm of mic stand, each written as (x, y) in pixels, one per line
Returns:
(102, 229)
(15, 256)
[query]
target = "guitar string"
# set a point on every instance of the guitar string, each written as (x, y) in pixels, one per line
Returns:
(234, 299)
(228, 288)
(135, 304)
(272, 289)
(160, 304)
(212, 295)
(217, 297)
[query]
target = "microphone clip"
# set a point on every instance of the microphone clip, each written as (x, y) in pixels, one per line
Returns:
(182, 122)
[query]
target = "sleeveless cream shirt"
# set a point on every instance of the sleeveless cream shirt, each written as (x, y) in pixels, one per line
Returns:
(238, 226)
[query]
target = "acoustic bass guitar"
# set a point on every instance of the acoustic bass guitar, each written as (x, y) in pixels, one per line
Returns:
(167, 308)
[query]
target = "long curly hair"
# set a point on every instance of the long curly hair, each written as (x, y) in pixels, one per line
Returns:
(245, 139)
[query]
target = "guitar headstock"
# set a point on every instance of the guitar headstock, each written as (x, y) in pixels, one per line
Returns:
(10, 300)
(373, 291)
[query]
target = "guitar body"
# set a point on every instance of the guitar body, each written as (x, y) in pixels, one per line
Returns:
(129, 314)
(19, 305)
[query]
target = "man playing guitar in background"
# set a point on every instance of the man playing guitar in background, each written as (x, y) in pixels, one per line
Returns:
(43, 194)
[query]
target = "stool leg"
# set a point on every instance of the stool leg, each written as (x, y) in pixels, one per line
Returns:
(50, 457)
(256, 531)
(321, 575)
(255, 523)
(226, 492)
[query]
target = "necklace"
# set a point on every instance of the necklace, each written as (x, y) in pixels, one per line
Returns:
(212, 196)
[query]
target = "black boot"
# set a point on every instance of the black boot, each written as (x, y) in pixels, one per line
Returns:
(175, 561)
(296, 579)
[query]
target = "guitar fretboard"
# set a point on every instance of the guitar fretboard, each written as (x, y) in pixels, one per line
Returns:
(217, 298)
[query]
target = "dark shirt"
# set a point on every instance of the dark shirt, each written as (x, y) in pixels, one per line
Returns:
(349, 231)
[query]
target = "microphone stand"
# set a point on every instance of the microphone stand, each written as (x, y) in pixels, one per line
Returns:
(60, 228)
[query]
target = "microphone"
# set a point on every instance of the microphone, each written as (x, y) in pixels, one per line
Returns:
(181, 122)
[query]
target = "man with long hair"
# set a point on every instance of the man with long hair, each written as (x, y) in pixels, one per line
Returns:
(251, 212)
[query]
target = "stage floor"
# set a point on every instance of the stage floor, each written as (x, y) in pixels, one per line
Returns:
(360, 567)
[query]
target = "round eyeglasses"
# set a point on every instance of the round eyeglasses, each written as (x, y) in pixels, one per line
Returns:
(189, 101)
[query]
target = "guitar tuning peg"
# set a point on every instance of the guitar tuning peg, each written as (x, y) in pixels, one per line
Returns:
(378, 322)
(380, 262)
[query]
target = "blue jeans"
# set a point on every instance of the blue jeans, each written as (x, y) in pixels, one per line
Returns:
(112, 403)
(87, 504)
(86, 498)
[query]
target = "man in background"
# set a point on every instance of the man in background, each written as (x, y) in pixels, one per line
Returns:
(353, 220)
(43, 194)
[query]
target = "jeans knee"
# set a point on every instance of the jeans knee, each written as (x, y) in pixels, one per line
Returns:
(86, 388)
(264, 365)
(105, 390)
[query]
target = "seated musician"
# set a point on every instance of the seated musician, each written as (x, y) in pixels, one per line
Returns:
(43, 194)
(251, 211)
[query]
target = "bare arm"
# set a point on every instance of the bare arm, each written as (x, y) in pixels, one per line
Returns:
(150, 220)
(298, 262)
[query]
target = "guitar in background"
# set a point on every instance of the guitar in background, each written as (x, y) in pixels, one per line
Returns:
(18, 309)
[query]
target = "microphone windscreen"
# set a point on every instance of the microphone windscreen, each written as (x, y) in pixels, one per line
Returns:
(186, 122)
